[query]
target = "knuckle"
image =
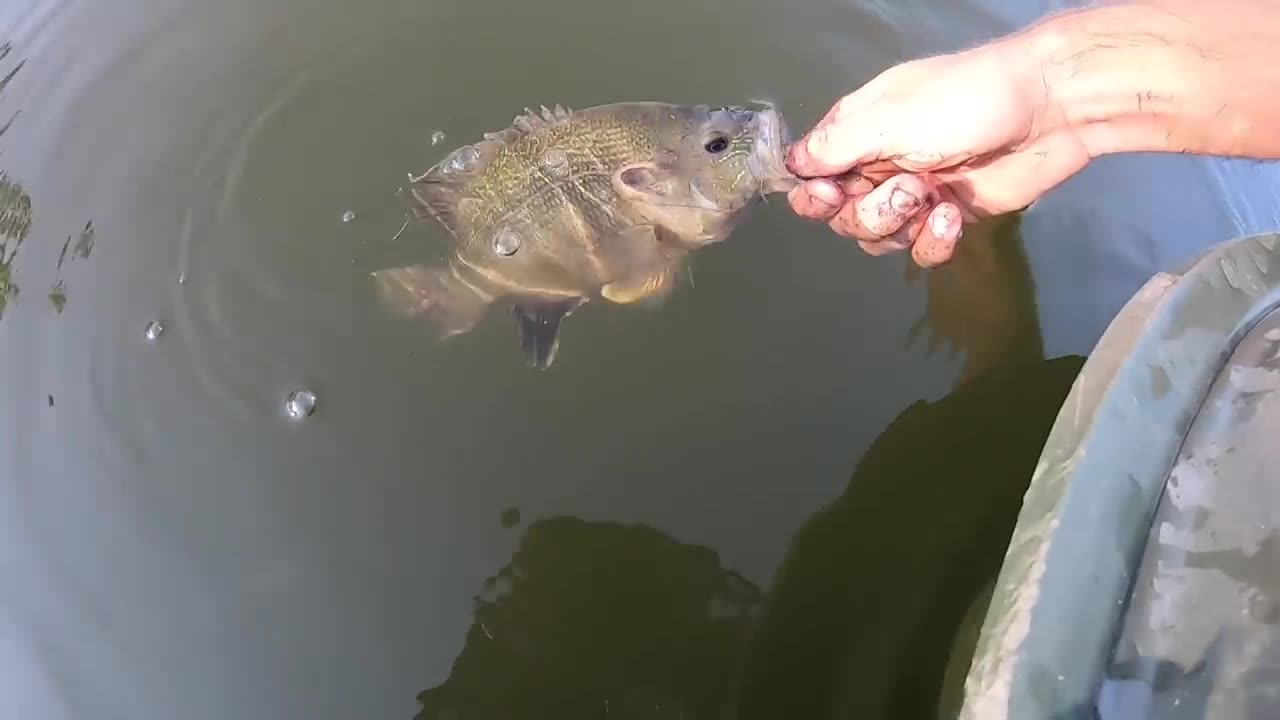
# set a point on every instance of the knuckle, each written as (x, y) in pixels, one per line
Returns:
(844, 107)
(818, 139)
(882, 220)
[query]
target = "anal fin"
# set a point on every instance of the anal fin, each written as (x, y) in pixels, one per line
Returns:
(539, 329)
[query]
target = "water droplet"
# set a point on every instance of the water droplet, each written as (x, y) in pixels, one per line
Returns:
(154, 330)
(506, 242)
(300, 404)
(437, 137)
(463, 159)
(348, 216)
(556, 161)
(182, 278)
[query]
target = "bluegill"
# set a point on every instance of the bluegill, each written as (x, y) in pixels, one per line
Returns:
(565, 206)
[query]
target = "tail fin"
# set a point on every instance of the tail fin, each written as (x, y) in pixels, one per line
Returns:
(449, 304)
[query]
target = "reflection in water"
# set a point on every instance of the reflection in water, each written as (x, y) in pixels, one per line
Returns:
(82, 249)
(859, 623)
(5, 49)
(596, 619)
(15, 206)
(862, 621)
(15, 225)
(983, 302)
(58, 297)
(15, 220)
(871, 618)
(867, 617)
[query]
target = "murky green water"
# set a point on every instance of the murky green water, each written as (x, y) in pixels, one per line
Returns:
(704, 512)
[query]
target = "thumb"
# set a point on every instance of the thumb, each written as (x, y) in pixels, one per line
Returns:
(877, 134)
(860, 128)
(837, 144)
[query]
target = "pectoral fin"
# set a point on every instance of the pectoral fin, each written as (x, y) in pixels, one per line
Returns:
(650, 289)
(631, 252)
(539, 329)
(449, 304)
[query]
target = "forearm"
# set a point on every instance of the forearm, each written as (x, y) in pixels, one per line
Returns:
(1163, 75)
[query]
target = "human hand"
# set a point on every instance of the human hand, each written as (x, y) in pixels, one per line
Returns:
(907, 159)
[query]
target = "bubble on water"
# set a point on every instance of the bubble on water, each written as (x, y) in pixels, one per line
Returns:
(348, 216)
(300, 404)
(437, 137)
(153, 330)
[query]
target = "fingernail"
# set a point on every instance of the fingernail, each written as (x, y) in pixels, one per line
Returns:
(816, 140)
(903, 201)
(939, 224)
(799, 161)
(793, 157)
(825, 193)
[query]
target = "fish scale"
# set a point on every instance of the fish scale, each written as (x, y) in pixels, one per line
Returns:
(592, 145)
(578, 205)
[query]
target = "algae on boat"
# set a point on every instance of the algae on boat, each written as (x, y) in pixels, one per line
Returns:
(1148, 404)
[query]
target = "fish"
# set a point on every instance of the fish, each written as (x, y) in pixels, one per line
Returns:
(565, 207)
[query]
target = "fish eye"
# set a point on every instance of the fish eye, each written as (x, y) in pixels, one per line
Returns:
(716, 144)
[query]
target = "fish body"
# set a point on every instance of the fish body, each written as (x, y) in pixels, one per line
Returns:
(567, 206)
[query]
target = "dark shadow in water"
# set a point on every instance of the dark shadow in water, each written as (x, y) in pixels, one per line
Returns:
(982, 303)
(878, 594)
(861, 622)
(869, 603)
(598, 619)
(875, 610)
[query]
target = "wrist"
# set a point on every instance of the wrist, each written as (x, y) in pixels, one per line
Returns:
(1123, 78)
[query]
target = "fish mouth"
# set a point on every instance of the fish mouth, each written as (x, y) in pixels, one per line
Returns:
(768, 161)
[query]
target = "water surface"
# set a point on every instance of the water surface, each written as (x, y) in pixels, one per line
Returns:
(664, 525)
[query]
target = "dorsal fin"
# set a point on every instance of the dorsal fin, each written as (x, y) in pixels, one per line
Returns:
(438, 192)
(532, 121)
